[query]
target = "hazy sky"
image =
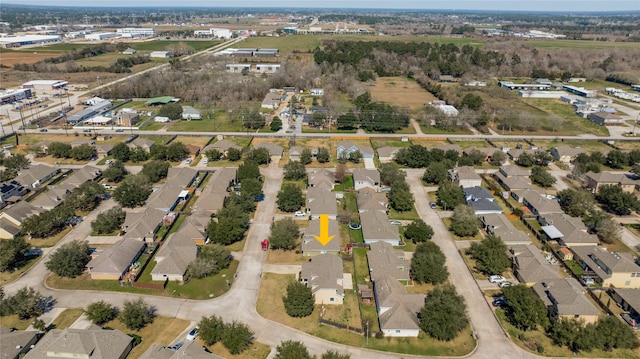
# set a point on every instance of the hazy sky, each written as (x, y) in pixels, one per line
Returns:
(531, 5)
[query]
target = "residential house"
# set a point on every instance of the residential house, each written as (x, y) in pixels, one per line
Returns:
(143, 225)
(143, 143)
(565, 254)
(514, 171)
(161, 54)
(512, 177)
(193, 229)
(312, 247)
(566, 154)
(295, 152)
(93, 342)
(514, 154)
(129, 51)
(481, 200)
(565, 298)
(366, 178)
(114, 262)
(175, 189)
(211, 198)
(593, 181)
(499, 226)
(369, 200)
(541, 205)
(628, 300)
(530, 266)
(190, 113)
(465, 176)
(568, 231)
(376, 228)
(397, 310)
(323, 274)
(194, 150)
(36, 175)
(387, 154)
(127, 117)
(174, 257)
(605, 118)
(103, 150)
(345, 148)
(12, 217)
(81, 176)
(15, 343)
(11, 191)
(486, 151)
(519, 193)
(272, 100)
(274, 150)
(608, 269)
(51, 198)
(222, 146)
(446, 78)
(321, 201)
(190, 350)
(321, 178)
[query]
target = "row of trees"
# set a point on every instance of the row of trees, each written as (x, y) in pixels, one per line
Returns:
(373, 116)
(614, 159)
(135, 313)
(581, 203)
(235, 336)
(174, 152)
(400, 197)
(25, 303)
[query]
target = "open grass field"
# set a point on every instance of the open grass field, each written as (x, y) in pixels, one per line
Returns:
(10, 58)
(401, 92)
(12, 321)
(472, 143)
(161, 331)
(66, 318)
(271, 307)
(578, 44)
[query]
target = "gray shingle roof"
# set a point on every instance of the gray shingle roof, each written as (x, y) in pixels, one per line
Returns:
(175, 255)
(310, 243)
(321, 201)
(94, 343)
(321, 178)
(324, 272)
(116, 259)
(500, 226)
(376, 227)
(603, 262)
(530, 265)
(370, 200)
(366, 175)
(566, 295)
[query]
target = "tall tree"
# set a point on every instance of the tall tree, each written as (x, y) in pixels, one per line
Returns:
(525, 309)
(292, 350)
(444, 314)
(450, 195)
(12, 253)
(418, 231)
(133, 191)
(70, 259)
(100, 312)
(115, 172)
(248, 169)
(428, 264)
(490, 255)
(541, 177)
(294, 170)
(136, 314)
(290, 198)
(237, 337)
(284, 234)
(464, 222)
(211, 329)
(299, 300)
(575, 202)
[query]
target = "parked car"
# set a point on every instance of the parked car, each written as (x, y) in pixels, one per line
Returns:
(300, 214)
(499, 302)
(192, 334)
(120, 130)
(385, 189)
(187, 161)
(205, 161)
(496, 279)
(433, 205)
(177, 346)
(86, 130)
(43, 130)
(393, 221)
(505, 284)
(106, 186)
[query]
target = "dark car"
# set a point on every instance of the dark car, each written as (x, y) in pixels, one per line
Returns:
(43, 130)
(119, 130)
(499, 302)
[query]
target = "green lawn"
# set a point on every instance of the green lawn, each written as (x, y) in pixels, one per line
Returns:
(12, 321)
(66, 318)
(409, 215)
(8, 277)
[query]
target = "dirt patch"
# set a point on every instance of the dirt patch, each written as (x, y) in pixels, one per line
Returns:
(12, 58)
(401, 92)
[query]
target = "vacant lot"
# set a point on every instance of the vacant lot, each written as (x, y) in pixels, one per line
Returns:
(587, 145)
(10, 58)
(196, 141)
(400, 91)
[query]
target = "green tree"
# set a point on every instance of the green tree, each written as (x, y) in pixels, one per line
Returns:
(133, 191)
(115, 172)
(213, 154)
(472, 101)
(323, 155)
(347, 121)
(276, 124)
(177, 151)
(355, 156)
(391, 175)
(575, 202)
(211, 260)
(171, 110)
(291, 349)
(12, 253)
(284, 234)
(401, 199)
(616, 334)
(234, 154)
(16, 162)
(330, 354)
(25, 303)
(48, 223)
(541, 177)
(251, 187)
(70, 259)
(120, 152)
(616, 159)
(526, 160)
(306, 156)
(525, 310)
(158, 153)
(109, 221)
(490, 255)
(248, 169)
(136, 314)
(83, 152)
(428, 264)
(237, 337)
(437, 172)
(100, 312)
(564, 331)
(211, 329)
(450, 195)
(603, 225)
(59, 150)
(299, 300)
(464, 222)
(444, 314)
(232, 223)
(290, 198)
(418, 231)
(294, 170)
(614, 200)
(156, 170)
(86, 197)
(253, 120)
(138, 154)
(497, 158)
(260, 156)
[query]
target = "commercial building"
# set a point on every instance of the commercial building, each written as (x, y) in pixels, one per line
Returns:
(160, 54)
(605, 118)
(99, 36)
(17, 41)
(580, 91)
(11, 96)
(529, 87)
(97, 109)
(44, 86)
(136, 31)
(215, 32)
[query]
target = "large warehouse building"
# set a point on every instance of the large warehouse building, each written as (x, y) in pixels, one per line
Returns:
(98, 36)
(136, 31)
(17, 41)
(45, 86)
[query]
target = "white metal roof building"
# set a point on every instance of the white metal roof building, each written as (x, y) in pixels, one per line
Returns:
(98, 36)
(44, 85)
(17, 41)
(140, 31)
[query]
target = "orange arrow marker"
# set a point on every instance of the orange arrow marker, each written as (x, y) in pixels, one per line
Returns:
(324, 237)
